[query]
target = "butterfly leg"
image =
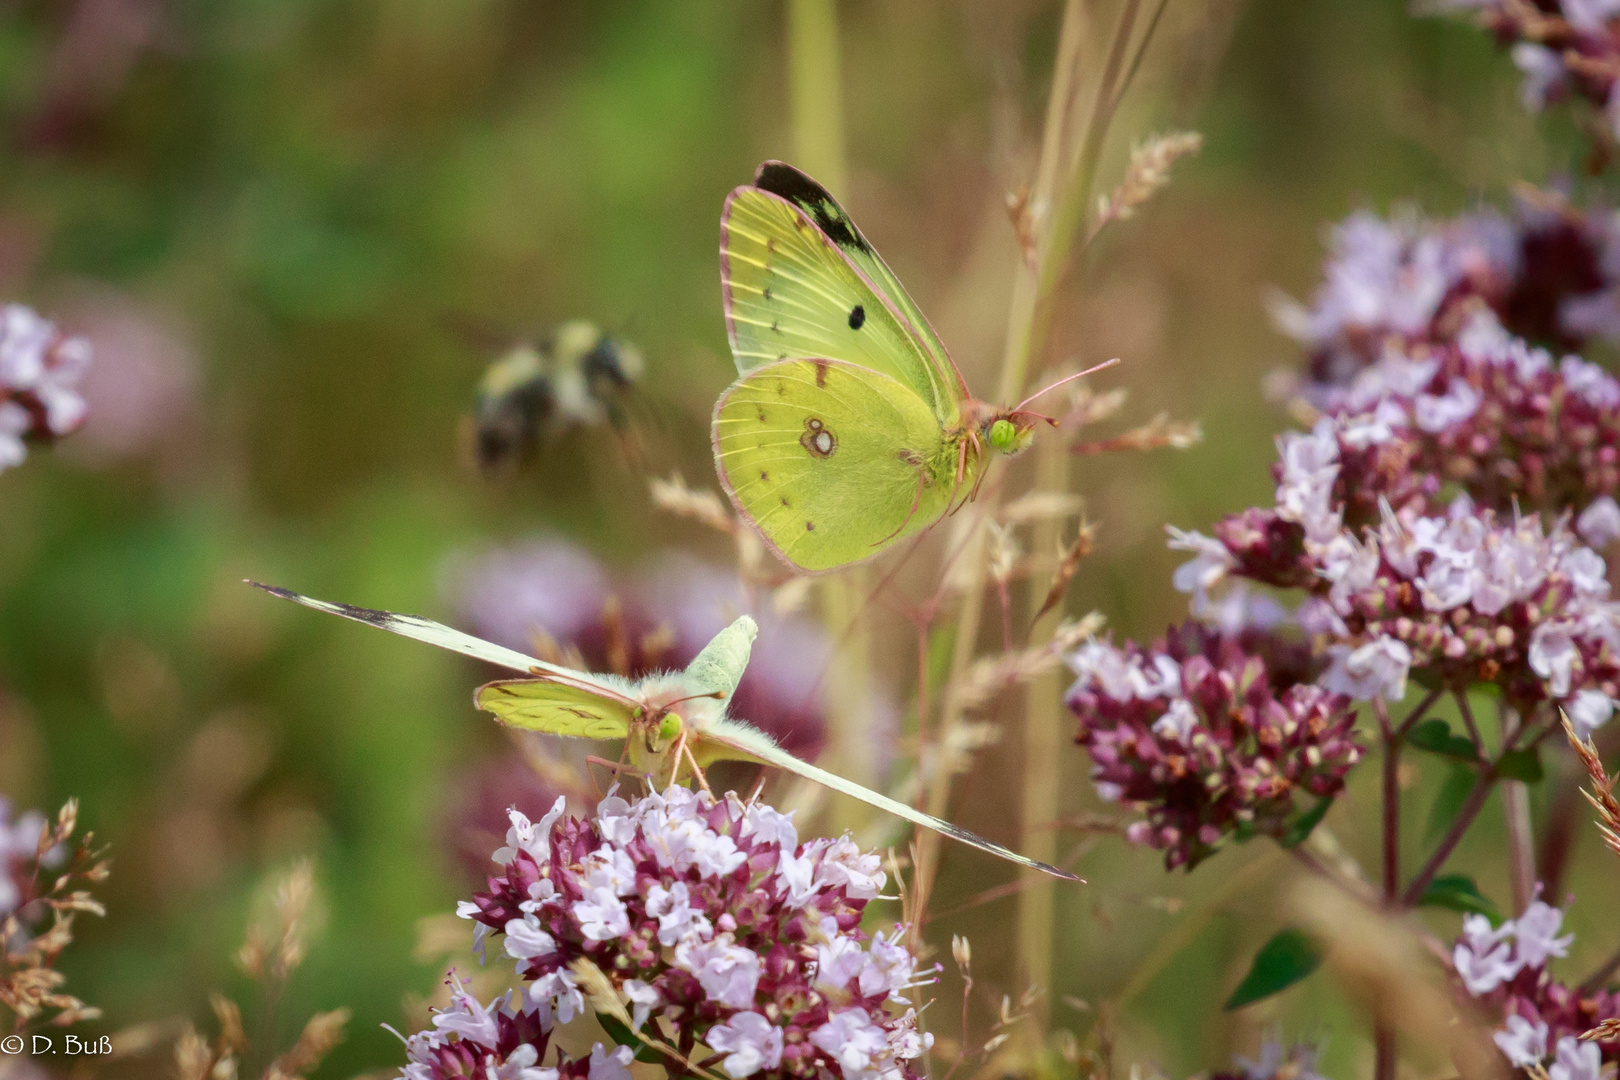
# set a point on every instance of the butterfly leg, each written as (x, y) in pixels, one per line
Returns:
(615, 767)
(697, 771)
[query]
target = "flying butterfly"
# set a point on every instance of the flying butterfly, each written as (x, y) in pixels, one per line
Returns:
(575, 376)
(665, 720)
(850, 427)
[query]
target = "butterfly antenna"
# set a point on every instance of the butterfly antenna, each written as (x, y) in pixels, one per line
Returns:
(1070, 378)
(718, 695)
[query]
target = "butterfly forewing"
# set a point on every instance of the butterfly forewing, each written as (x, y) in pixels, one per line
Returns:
(790, 293)
(780, 178)
(831, 462)
(729, 740)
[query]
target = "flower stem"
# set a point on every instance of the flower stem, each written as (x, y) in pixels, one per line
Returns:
(1470, 809)
(815, 89)
(1418, 712)
(1392, 805)
(1521, 843)
(1043, 749)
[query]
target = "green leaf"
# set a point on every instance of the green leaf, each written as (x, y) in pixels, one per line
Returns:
(1459, 893)
(1435, 736)
(1453, 793)
(1520, 765)
(624, 1037)
(1288, 957)
(1301, 826)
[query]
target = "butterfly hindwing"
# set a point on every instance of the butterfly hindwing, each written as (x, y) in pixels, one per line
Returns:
(729, 740)
(555, 708)
(782, 179)
(790, 293)
(831, 462)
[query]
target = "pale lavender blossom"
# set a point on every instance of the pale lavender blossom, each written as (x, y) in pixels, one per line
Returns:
(1576, 1060)
(1599, 523)
(40, 368)
(500, 1041)
(1483, 957)
(19, 846)
(1536, 935)
(713, 924)
(1375, 669)
(1277, 1061)
(1588, 711)
(1523, 1042)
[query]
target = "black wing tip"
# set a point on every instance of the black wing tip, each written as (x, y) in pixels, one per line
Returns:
(774, 170)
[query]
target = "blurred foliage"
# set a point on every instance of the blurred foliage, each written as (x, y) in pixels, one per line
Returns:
(308, 196)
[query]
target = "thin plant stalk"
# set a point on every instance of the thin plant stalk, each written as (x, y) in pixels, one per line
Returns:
(1521, 843)
(1472, 804)
(1052, 218)
(1386, 1051)
(815, 86)
(1043, 749)
(1021, 328)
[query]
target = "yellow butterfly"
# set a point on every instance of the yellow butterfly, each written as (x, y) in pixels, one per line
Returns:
(850, 427)
(666, 720)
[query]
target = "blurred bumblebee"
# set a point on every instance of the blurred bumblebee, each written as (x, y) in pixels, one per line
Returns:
(574, 377)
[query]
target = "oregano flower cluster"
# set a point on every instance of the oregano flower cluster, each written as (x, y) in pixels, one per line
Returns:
(713, 927)
(1504, 967)
(1211, 734)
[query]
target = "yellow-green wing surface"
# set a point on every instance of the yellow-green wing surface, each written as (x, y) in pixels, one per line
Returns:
(831, 462)
(729, 740)
(791, 293)
(782, 179)
(556, 708)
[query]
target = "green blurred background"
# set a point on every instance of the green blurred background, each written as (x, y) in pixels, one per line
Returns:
(268, 214)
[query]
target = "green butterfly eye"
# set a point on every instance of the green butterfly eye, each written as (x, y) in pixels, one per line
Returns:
(670, 727)
(1005, 436)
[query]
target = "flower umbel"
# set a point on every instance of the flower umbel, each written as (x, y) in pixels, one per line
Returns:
(500, 1041)
(1211, 734)
(711, 924)
(1542, 1019)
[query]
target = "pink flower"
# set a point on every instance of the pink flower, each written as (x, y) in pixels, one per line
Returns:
(499, 1041)
(750, 1043)
(39, 370)
(1210, 735)
(714, 925)
(1505, 967)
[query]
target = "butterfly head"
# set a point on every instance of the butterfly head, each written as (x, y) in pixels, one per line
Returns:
(1007, 437)
(1010, 432)
(670, 706)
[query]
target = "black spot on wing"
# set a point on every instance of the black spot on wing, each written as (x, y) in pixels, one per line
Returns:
(857, 317)
(791, 184)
